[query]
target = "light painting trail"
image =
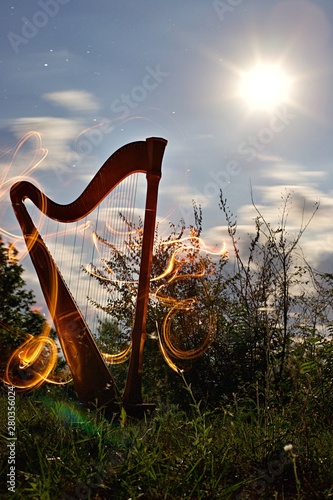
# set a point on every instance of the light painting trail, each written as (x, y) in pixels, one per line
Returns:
(32, 364)
(93, 381)
(6, 181)
(37, 356)
(188, 309)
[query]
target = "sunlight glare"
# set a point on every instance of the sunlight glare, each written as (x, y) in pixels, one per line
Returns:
(265, 87)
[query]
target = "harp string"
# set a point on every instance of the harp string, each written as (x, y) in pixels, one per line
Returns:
(92, 261)
(119, 219)
(72, 257)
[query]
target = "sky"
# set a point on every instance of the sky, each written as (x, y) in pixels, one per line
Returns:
(80, 78)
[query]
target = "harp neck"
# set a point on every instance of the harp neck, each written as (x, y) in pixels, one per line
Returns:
(141, 156)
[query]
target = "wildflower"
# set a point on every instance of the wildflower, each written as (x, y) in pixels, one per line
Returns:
(288, 447)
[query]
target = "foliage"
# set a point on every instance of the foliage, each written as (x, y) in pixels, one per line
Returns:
(110, 339)
(270, 299)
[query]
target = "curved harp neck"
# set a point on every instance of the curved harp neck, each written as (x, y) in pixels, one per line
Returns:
(141, 156)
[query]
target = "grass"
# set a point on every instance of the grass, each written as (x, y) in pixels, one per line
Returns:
(64, 451)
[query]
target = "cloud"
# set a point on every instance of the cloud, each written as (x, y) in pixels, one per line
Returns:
(73, 100)
(266, 157)
(292, 173)
(317, 240)
(57, 128)
(52, 133)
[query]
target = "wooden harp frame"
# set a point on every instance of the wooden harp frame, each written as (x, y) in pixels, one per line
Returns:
(92, 379)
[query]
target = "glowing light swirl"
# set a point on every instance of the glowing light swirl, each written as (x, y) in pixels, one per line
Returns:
(26, 367)
(117, 359)
(185, 306)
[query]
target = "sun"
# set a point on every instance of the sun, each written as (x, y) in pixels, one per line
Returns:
(265, 87)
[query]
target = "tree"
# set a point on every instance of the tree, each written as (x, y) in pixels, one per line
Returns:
(181, 310)
(275, 299)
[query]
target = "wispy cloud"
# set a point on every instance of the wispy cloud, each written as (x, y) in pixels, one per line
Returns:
(316, 242)
(292, 173)
(58, 128)
(56, 136)
(73, 100)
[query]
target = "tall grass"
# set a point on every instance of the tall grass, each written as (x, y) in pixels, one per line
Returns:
(241, 450)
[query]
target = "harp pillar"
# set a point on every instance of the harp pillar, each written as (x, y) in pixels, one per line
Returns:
(132, 398)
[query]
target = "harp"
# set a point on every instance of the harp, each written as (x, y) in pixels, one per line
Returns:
(93, 381)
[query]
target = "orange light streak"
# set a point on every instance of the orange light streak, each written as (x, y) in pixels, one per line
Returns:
(89, 270)
(166, 356)
(11, 254)
(123, 233)
(185, 306)
(199, 246)
(178, 259)
(28, 368)
(34, 163)
(117, 359)
(33, 362)
(39, 156)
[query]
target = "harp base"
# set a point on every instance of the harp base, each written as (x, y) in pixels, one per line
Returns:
(140, 410)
